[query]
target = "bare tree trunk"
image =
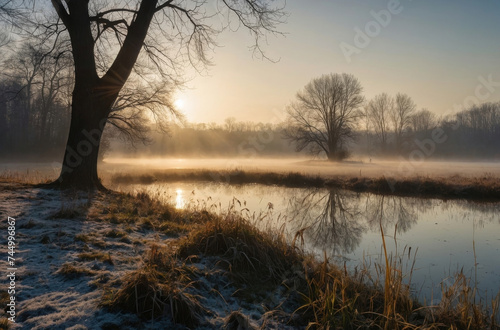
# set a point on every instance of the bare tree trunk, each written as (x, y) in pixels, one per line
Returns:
(88, 119)
(93, 97)
(332, 153)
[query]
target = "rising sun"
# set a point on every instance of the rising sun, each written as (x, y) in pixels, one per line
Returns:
(179, 104)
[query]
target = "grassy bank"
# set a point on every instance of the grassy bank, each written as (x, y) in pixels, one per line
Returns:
(312, 293)
(483, 188)
(149, 265)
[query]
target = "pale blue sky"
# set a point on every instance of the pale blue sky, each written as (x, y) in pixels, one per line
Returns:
(432, 50)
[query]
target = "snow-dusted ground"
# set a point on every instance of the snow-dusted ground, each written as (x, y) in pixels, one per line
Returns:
(47, 299)
(50, 300)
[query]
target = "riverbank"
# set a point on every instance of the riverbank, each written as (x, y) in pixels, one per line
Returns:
(121, 261)
(479, 188)
(478, 181)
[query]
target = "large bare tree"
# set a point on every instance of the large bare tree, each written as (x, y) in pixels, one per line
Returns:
(107, 38)
(324, 115)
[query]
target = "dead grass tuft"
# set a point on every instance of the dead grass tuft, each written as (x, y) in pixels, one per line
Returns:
(249, 254)
(71, 211)
(113, 233)
(159, 287)
(458, 308)
(71, 271)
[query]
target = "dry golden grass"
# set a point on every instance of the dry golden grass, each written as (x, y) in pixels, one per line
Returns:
(459, 308)
(4, 324)
(158, 287)
(142, 210)
(248, 253)
(26, 177)
(72, 271)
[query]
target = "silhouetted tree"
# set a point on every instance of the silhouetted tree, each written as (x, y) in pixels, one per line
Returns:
(324, 115)
(106, 39)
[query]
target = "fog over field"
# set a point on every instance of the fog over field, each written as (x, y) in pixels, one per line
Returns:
(249, 164)
(366, 167)
(363, 167)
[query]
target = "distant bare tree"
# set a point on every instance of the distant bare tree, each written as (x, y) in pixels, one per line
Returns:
(379, 110)
(230, 124)
(423, 120)
(54, 77)
(401, 115)
(472, 132)
(323, 117)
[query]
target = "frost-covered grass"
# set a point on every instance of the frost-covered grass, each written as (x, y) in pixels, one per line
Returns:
(113, 260)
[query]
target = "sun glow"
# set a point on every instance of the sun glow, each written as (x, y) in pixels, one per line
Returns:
(180, 104)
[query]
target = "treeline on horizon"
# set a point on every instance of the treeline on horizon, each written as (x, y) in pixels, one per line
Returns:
(470, 134)
(35, 103)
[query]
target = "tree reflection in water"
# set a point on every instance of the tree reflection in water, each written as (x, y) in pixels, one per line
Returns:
(335, 220)
(394, 212)
(331, 219)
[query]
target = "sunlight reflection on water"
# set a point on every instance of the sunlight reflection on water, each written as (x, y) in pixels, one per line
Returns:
(180, 202)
